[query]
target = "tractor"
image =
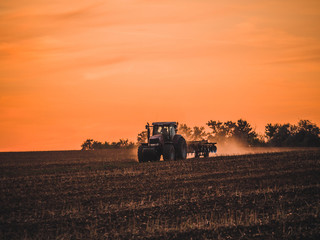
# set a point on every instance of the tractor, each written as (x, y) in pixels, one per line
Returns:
(162, 140)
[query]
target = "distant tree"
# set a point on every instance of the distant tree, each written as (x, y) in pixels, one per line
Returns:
(131, 145)
(198, 133)
(282, 136)
(230, 127)
(97, 145)
(244, 132)
(142, 137)
(260, 141)
(106, 145)
(270, 130)
(87, 145)
(115, 145)
(124, 143)
(90, 144)
(306, 134)
(218, 128)
(279, 135)
(185, 131)
(224, 132)
(220, 131)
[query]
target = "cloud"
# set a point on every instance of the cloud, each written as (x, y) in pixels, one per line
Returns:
(299, 59)
(76, 14)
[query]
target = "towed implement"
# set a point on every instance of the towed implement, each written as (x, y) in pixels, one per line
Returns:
(163, 140)
(201, 148)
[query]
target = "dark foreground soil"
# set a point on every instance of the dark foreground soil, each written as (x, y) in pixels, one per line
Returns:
(81, 195)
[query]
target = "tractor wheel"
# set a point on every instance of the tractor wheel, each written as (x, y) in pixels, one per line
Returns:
(181, 149)
(156, 158)
(140, 154)
(214, 149)
(168, 152)
(206, 154)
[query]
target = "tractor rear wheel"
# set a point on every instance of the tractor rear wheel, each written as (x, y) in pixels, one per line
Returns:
(181, 149)
(168, 152)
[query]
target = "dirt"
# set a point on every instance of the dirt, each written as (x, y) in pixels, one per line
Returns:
(89, 195)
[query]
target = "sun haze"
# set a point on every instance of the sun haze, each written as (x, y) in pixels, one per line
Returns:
(72, 70)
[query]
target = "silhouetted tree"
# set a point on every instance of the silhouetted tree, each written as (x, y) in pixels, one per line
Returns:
(220, 131)
(124, 143)
(142, 137)
(97, 145)
(270, 130)
(244, 132)
(224, 132)
(306, 134)
(198, 133)
(230, 127)
(106, 145)
(218, 128)
(87, 145)
(281, 138)
(279, 135)
(185, 131)
(115, 145)
(131, 145)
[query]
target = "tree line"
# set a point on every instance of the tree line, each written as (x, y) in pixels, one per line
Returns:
(303, 134)
(91, 144)
(223, 132)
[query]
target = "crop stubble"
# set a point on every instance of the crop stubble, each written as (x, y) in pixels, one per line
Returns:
(81, 195)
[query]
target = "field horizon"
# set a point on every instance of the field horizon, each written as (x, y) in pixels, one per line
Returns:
(232, 149)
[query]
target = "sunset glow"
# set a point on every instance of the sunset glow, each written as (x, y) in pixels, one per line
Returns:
(72, 70)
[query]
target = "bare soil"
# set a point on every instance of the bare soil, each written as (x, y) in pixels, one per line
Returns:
(108, 195)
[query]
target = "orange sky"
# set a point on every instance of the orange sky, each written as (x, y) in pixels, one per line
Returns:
(72, 70)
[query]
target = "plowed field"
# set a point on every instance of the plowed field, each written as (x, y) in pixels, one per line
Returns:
(108, 195)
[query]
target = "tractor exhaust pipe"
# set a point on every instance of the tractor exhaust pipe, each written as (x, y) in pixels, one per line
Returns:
(148, 130)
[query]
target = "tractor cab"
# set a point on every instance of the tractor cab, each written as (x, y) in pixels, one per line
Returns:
(166, 129)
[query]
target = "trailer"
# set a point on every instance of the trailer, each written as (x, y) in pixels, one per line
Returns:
(163, 140)
(201, 148)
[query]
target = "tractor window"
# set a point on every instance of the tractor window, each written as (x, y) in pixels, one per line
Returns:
(157, 130)
(172, 131)
(165, 132)
(162, 130)
(169, 131)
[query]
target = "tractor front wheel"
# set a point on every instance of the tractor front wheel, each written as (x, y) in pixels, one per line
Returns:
(156, 157)
(140, 154)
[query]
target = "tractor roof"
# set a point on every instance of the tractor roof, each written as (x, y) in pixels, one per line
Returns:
(164, 123)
